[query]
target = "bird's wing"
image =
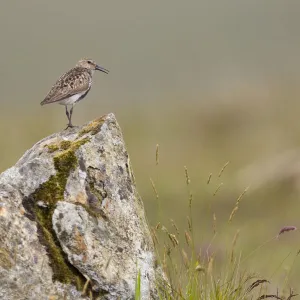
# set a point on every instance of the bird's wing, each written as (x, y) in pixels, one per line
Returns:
(71, 83)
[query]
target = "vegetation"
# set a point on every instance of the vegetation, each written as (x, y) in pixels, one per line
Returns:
(203, 274)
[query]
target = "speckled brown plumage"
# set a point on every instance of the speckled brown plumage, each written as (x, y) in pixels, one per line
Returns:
(75, 81)
(73, 86)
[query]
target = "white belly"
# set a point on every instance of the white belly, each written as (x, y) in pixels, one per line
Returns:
(71, 100)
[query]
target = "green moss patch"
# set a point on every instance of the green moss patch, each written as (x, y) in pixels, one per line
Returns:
(63, 145)
(50, 192)
(52, 147)
(93, 127)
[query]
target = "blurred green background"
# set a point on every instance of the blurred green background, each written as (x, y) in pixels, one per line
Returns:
(209, 81)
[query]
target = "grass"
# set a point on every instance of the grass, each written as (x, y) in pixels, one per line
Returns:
(198, 274)
(138, 286)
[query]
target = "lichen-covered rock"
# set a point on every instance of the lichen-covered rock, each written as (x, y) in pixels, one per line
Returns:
(72, 224)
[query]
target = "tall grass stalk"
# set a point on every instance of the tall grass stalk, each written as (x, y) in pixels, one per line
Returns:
(193, 274)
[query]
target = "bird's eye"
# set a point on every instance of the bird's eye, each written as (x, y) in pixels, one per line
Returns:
(89, 62)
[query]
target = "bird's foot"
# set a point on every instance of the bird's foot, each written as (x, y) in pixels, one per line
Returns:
(70, 125)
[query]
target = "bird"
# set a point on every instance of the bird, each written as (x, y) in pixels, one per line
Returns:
(73, 86)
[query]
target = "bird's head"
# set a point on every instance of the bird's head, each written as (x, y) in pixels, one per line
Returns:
(91, 65)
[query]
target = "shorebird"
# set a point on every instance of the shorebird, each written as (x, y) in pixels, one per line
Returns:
(73, 86)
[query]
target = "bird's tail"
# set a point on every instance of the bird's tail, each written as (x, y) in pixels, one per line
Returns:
(43, 102)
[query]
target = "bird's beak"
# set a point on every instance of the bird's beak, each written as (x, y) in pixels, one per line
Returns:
(101, 69)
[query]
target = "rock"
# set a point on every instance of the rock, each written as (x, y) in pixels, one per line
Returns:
(72, 225)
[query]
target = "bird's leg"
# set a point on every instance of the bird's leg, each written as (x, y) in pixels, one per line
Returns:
(69, 115)
(71, 112)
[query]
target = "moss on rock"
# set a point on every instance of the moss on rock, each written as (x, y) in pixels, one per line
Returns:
(64, 145)
(92, 127)
(50, 192)
(52, 147)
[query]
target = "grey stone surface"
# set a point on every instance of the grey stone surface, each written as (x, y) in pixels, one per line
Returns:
(71, 220)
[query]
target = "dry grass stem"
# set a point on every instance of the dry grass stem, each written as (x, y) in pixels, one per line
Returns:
(185, 259)
(175, 226)
(189, 224)
(154, 188)
(210, 265)
(173, 239)
(154, 237)
(223, 168)
(187, 177)
(190, 200)
(242, 195)
(236, 207)
(187, 238)
(218, 188)
(209, 178)
(233, 213)
(214, 223)
(157, 154)
(233, 244)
